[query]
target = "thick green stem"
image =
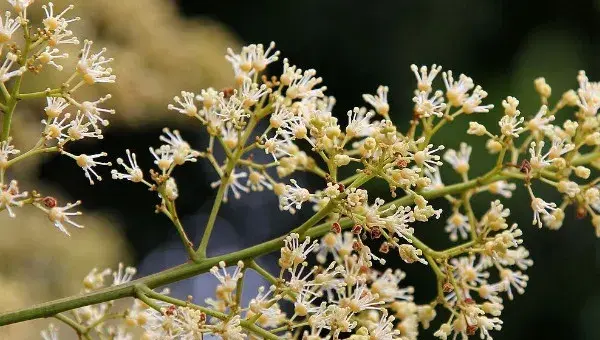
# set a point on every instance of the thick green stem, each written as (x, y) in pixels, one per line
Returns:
(225, 178)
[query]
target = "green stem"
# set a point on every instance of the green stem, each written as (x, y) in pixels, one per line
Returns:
(260, 270)
(172, 215)
(79, 329)
(39, 94)
(231, 162)
(30, 153)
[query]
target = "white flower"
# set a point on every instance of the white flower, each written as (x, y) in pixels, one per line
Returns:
(60, 215)
(123, 275)
(359, 123)
(459, 160)
(87, 163)
(467, 271)
(52, 22)
(399, 221)
(231, 109)
(10, 197)
(540, 207)
(384, 329)
(425, 79)
(486, 324)
(502, 188)
(510, 125)
(427, 107)
(242, 63)
(186, 104)
(230, 329)
(62, 36)
(209, 97)
(293, 252)
(93, 112)
(516, 279)
(5, 74)
(435, 177)
(589, 95)
(79, 130)
(387, 285)
(8, 27)
(278, 147)
(228, 281)
(538, 160)
(458, 224)
(362, 299)
(20, 5)
(303, 86)
(540, 121)
(261, 58)
(55, 106)
(456, 92)
(54, 128)
(163, 157)
(6, 151)
(233, 183)
(293, 197)
(427, 157)
(258, 182)
(251, 93)
(559, 147)
(379, 101)
(472, 103)
(298, 129)
(182, 152)
(92, 66)
(134, 173)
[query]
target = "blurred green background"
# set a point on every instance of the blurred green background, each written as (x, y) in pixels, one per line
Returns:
(354, 46)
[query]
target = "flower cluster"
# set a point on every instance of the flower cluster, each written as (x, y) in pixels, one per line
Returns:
(333, 282)
(29, 47)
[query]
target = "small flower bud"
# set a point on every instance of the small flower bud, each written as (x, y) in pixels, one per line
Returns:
(593, 139)
(493, 146)
(341, 160)
(570, 98)
(370, 143)
(410, 254)
(582, 172)
(476, 129)
(510, 106)
(570, 127)
(542, 87)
